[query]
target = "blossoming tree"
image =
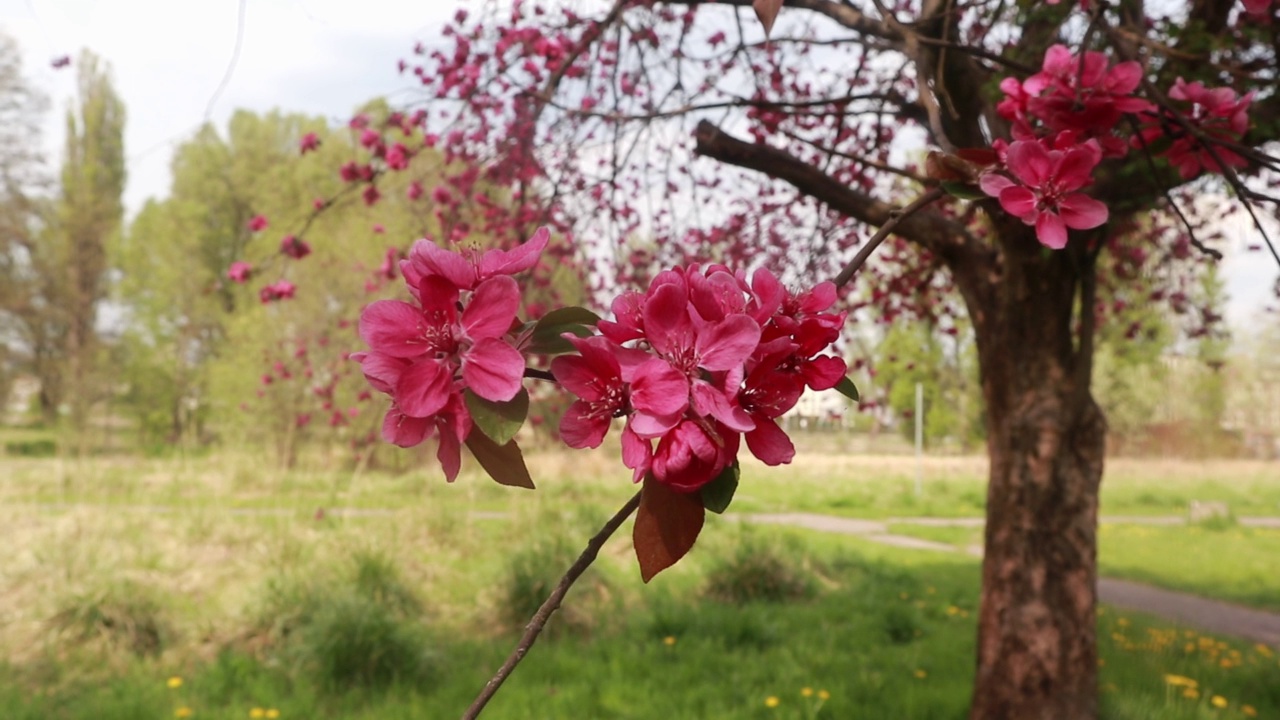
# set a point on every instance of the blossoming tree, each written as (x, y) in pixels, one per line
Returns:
(1063, 140)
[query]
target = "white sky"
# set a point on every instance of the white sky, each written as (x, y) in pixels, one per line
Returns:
(315, 56)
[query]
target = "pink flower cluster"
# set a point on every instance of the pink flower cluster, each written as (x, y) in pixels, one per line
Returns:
(694, 364)
(454, 337)
(1218, 113)
(1064, 121)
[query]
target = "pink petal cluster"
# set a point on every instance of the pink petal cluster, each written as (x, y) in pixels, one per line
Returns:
(258, 223)
(278, 290)
(1218, 113)
(454, 337)
(239, 271)
(1078, 95)
(696, 363)
(308, 143)
(1041, 188)
(294, 247)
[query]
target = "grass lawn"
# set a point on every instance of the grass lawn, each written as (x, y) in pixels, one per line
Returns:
(220, 573)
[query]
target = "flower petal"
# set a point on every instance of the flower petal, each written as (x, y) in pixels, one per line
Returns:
(400, 429)
(518, 259)
(659, 389)
(393, 328)
(432, 259)
(637, 453)
(710, 401)
(493, 370)
(1081, 212)
(823, 372)
(770, 443)
(423, 388)
(727, 343)
(1018, 201)
(492, 308)
(1051, 231)
(666, 319)
(581, 428)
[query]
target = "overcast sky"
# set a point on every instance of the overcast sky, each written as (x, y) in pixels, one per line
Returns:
(316, 56)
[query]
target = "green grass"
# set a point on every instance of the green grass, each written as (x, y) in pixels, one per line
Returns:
(1233, 563)
(889, 635)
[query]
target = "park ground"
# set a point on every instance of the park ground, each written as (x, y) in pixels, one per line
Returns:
(221, 587)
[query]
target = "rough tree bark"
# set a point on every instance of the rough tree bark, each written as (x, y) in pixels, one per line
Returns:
(1037, 649)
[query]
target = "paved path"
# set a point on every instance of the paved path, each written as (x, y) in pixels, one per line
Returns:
(1211, 615)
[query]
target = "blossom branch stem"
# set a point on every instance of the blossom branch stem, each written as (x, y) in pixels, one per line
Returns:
(537, 374)
(549, 606)
(895, 217)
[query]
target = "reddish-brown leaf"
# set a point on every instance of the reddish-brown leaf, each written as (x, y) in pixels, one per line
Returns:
(667, 524)
(504, 463)
(767, 11)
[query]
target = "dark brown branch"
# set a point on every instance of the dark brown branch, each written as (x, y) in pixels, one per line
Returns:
(846, 15)
(549, 606)
(537, 374)
(896, 216)
(929, 230)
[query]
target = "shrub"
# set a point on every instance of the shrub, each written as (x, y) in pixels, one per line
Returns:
(352, 642)
(530, 576)
(123, 616)
(756, 571)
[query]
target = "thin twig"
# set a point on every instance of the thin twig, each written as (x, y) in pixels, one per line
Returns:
(549, 606)
(536, 374)
(1168, 196)
(895, 217)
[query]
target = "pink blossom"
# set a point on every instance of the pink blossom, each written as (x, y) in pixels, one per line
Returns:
(1218, 113)
(258, 223)
(239, 271)
(397, 157)
(294, 247)
(414, 191)
(279, 290)
(1084, 97)
(1044, 194)
(427, 259)
(612, 381)
(308, 143)
(371, 195)
(693, 454)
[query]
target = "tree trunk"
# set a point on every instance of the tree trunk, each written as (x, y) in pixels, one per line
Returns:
(1037, 648)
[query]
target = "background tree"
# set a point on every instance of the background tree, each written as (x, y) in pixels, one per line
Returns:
(22, 181)
(592, 118)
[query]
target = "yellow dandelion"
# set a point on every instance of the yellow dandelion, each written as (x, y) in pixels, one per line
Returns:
(824, 695)
(1190, 647)
(772, 701)
(806, 692)
(1226, 663)
(1249, 711)
(272, 713)
(1218, 701)
(903, 596)
(1109, 687)
(669, 640)
(174, 682)
(1102, 662)
(953, 610)
(183, 712)
(1191, 693)
(1263, 650)
(1180, 681)
(1123, 622)
(921, 674)
(1101, 612)
(257, 713)
(930, 590)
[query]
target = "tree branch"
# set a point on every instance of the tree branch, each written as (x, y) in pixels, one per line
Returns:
(897, 216)
(549, 606)
(930, 230)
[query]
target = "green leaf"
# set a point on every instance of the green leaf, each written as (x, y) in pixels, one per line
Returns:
(964, 191)
(846, 388)
(717, 494)
(546, 336)
(504, 463)
(499, 420)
